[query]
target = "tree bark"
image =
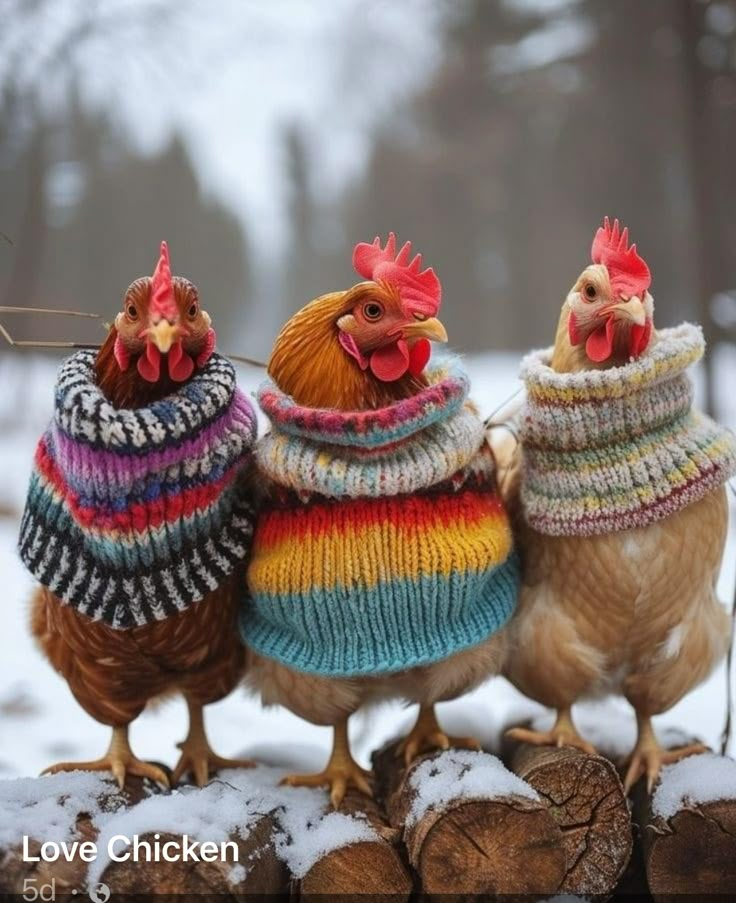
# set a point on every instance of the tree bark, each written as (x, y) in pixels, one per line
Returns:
(508, 845)
(369, 867)
(586, 799)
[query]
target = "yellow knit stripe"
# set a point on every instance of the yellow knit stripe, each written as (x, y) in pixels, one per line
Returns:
(647, 494)
(636, 378)
(369, 555)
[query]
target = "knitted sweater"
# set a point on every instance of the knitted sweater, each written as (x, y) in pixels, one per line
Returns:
(383, 544)
(608, 450)
(133, 515)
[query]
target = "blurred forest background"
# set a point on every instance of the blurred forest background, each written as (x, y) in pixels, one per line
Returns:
(263, 139)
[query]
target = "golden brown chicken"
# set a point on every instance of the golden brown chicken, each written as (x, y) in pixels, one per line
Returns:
(617, 492)
(137, 525)
(381, 560)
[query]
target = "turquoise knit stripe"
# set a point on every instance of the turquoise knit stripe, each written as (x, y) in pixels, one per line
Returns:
(345, 632)
(133, 549)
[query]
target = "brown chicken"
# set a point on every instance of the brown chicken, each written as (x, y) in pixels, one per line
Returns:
(630, 611)
(160, 340)
(361, 350)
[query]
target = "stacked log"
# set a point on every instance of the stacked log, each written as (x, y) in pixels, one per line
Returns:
(67, 877)
(691, 850)
(586, 799)
(478, 843)
(374, 867)
(258, 869)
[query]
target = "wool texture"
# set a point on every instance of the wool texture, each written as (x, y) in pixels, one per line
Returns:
(608, 450)
(383, 544)
(133, 515)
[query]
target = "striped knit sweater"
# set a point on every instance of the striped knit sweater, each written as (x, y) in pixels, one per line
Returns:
(608, 450)
(133, 515)
(383, 544)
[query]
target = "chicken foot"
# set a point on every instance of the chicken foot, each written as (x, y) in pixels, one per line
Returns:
(119, 759)
(563, 733)
(427, 734)
(648, 757)
(197, 756)
(342, 770)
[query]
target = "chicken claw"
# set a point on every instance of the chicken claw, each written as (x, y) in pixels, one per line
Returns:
(563, 733)
(200, 760)
(648, 757)
(197, 756)
(337, 778)
(342, 771)
(427, 734)
(119, 759)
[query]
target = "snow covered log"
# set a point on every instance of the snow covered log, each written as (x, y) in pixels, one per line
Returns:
(586, 799)
(242, 834)
(471, 826)
(372, 866)
(688, 828)
(34, 811)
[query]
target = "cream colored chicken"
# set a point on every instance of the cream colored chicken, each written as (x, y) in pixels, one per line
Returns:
(608, 605)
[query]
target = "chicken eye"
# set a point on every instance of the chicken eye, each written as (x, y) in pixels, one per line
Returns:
(193, 309)
(373, 311)
(590, 291)
(132, 311)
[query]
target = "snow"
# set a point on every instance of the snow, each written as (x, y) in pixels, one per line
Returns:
(693, 781)
(460, 774)
(305, 828)
(47, 809)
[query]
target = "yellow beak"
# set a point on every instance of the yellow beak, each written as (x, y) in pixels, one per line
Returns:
(632, 310)
(425, 329)
(163, 335)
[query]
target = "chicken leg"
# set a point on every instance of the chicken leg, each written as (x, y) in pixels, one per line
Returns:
(197, 756)
(563, 733)
(427, 734)
(342, 770)
(118, 759)
(648, 757)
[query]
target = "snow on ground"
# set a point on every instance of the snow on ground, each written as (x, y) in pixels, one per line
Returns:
(40, 722)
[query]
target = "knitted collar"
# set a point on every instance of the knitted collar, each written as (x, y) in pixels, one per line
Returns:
(134, 514)
(615, 449)
(410, 445)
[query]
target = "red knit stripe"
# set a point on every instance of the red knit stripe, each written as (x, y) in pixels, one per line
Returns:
(411, 513)
(137, 517)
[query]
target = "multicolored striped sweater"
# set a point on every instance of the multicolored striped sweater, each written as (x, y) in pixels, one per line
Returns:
(608, 450)
(133, 515)
(383, 544)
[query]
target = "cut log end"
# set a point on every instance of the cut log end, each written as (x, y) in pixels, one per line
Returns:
(586, 799)
(508, 846)
(362, 868)
(373, 867)
(473, 846)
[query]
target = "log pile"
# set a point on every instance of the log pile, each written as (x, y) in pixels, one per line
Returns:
(433, 830)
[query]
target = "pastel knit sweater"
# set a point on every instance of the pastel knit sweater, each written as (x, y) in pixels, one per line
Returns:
(608, 450)
(384, 544)
(133, 515)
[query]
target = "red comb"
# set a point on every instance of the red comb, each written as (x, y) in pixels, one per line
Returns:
(628, 273)
(162, 288)
(420, 291)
